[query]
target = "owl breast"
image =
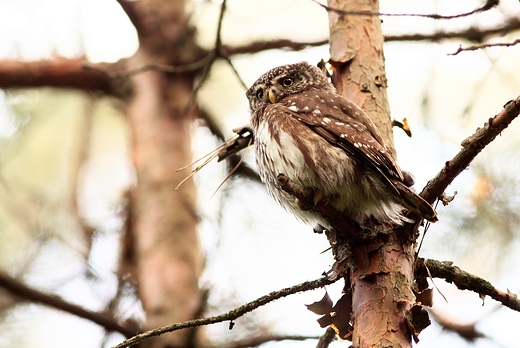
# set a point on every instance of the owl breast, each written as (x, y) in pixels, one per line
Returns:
(285, 145)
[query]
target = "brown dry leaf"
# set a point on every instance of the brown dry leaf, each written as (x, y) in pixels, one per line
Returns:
(321, 307)
(425, 297)
(417, 319)
(339, 317)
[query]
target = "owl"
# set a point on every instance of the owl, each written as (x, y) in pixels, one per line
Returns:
(323, 142)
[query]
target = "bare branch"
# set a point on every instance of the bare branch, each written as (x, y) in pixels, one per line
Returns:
(489, 4)
(471, 147)
(468, 332)
(465, 281)
(260, 46)
(229, 316)
(479, 47)
(156, 67)
(57, 72)
(256, 341)
(471, 34)
(21, 290)
(326, 339)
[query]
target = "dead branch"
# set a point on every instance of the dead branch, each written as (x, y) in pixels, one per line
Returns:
(260, 46)
(21, 290)
(229, 316)
(479, 47)
(326, 339)
(489, 4)
(471, 147)
(257, 341)
(471, 34)
(57, 72)
(465, 281)
(468, 332)
(171, 69)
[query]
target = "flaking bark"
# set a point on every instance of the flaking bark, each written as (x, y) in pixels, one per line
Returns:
(381, 272)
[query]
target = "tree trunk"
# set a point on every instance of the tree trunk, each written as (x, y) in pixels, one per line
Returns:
(382, 272)
(166, 251)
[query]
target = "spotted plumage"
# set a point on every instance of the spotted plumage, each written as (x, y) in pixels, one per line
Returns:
(324, 142)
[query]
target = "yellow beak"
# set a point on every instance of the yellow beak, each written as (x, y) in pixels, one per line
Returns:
(272, 96)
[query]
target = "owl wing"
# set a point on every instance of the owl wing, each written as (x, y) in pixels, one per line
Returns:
(343, 124)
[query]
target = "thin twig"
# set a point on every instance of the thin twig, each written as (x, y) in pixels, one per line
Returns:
(466, 281)
(228, 60)
(260, 46)
(489, 4)
(229, 316)
(479, 47)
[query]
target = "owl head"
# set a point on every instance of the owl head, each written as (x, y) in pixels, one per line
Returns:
(285, 80)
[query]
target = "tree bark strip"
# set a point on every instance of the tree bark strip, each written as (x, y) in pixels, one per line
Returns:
(382, 271)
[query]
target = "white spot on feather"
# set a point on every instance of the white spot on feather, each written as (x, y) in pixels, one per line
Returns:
(293, 108)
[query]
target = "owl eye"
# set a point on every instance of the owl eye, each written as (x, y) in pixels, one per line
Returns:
(260, 94)
(288, 81)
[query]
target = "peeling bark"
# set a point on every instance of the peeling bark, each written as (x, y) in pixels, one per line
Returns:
(381, 272)
(356, 51)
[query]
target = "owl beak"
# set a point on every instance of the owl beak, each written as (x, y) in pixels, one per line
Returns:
(272, 96)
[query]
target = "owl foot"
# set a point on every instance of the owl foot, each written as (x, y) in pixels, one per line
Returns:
(304, 197)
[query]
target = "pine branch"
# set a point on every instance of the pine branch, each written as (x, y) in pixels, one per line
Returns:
(257, 341)
(25, 292)
(229, 316)
(471, 147)
(465, 281)
(57, 72)
(489, 4)
(472, 34)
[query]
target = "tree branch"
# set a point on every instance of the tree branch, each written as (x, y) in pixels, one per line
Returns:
(465, 281)
(471, 147)
(468, 332)
(326, 339)
(21, 290)
(256, 341)
(229, 316)
(57, 72)
(479, 47)
(489, 4)
(471, 34)
(260, 46)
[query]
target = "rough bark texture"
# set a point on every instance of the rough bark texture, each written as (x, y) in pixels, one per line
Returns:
(166, 254)
(382, 271)
(356, 51)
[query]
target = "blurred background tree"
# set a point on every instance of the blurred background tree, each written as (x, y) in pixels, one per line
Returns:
(91, 142)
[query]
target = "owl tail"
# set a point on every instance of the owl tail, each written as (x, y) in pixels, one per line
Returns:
(414, 202)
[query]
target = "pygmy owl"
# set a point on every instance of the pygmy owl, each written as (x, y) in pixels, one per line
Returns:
(323, 142)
